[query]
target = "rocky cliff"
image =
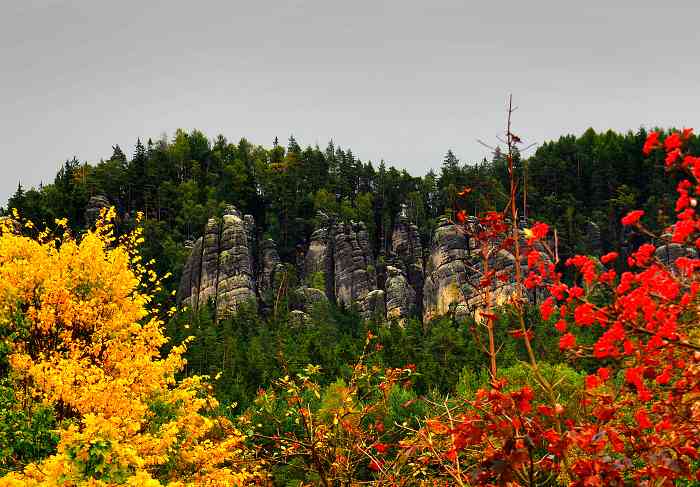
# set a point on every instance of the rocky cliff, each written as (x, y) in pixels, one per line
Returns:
(339, 260)
(447, 270)
(354, 271)
(220, 268)
(456, 273)
(228, 267)
(270, 272)
(318, 267)
(400, 295)
(94, 206)
(408, 252)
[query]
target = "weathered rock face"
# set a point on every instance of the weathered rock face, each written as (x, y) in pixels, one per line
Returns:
(95, 204)
(400, 295)
(405, 242)
(353, 266)
(455, 275)
(500, 294)
(479, 296)
(374, 305)
(318, 262)
(209, 279)
(188, 291)
(227, 267)
(668, 254)
(406, 246)
(446, 270)
(221, 265)
(236, 278)
(339, 255)
(222, 268)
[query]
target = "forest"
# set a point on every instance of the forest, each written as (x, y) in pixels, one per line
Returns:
(178, 184)
(106, 378)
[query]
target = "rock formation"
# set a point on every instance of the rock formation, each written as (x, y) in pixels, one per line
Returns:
(477, 295)
(270, 270)
(339, 259)
(318, 263)
(188, 291)
(221, 265)
(455, 275)
(353, 267)
(400, 295)
(669, 253)
(236, 278)
(95, 204)
(446, 270)
(406, 247)
(227, 267)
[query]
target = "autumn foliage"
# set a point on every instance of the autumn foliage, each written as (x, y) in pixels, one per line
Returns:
(84, 340)
(632, 320)
(639, 420)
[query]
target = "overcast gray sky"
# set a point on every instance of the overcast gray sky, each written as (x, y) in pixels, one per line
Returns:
(401, 80)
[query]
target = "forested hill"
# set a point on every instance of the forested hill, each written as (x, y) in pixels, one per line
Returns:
(178, 184)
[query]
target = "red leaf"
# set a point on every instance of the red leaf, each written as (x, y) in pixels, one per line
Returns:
(632, 217)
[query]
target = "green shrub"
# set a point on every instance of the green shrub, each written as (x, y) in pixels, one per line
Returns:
(25, 436)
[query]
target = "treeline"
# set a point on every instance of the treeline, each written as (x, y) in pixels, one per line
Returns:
(178, 184)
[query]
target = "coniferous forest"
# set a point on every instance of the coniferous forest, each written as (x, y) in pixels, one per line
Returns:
(549, 336)
(178, 184)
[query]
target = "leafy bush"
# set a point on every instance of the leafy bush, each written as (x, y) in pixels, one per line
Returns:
(26, 436)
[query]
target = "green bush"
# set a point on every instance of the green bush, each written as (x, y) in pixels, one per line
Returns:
(567, 383)
(25, 436)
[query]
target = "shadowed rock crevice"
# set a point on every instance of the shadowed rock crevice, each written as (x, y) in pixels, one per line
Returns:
(408, 252)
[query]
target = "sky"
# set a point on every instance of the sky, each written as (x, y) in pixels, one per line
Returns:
(399, 80)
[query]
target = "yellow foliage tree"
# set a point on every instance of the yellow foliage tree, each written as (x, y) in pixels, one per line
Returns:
(88, 344)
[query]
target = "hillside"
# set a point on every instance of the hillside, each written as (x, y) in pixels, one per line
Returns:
(338, 325)
(323, 226)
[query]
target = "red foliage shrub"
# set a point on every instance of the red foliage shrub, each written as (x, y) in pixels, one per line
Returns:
(639, 422)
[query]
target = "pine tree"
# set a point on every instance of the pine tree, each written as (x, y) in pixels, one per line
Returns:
(118, 154)
(16, 201)
(137, 177)
(450, 163)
